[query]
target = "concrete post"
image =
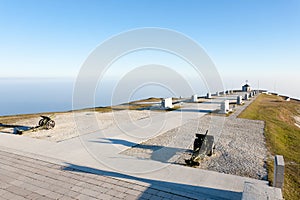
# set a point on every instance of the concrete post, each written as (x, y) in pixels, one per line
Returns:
(239, 100)
(167, 103)
(208, 96)
(246, 96)
(194, 98)
(225, 107)
(217, 94)
(278, 171)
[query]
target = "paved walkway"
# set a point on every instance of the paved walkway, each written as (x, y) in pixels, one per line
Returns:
(23, 177)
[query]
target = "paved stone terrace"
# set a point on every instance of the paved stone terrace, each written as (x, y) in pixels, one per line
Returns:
(23, 177)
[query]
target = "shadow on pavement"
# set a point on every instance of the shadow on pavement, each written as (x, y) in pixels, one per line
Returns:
(179, 189)
(145, 151)
(14, 128)
(193, 110)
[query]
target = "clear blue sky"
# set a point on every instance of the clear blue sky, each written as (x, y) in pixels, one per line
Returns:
(247, 39)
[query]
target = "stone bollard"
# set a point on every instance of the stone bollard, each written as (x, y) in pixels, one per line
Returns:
(194, 98)
(208, 96)
(278, 172)
(225, 107)
(217, 94)
(167, 103)
(246, 96)
(239, 100)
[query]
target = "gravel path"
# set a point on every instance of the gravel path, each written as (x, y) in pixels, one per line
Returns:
(240, 145)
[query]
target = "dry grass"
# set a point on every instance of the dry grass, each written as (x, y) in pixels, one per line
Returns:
(282, 137)
(151, 99)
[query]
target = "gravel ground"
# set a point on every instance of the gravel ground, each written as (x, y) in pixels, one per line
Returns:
(240, 145)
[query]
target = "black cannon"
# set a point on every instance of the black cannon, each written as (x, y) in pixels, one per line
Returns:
(203, 146)
(44, 123)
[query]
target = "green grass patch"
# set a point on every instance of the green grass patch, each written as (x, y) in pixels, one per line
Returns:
(282, 137)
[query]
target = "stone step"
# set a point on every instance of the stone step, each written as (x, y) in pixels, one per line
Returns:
(253, 191)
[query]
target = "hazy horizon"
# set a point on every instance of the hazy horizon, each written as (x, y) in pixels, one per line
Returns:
(55, 94)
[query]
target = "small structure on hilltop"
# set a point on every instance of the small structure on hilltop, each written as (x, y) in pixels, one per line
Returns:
(246, 87)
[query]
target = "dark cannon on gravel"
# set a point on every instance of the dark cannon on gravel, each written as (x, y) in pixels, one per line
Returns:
(203, 146)
(44, 123)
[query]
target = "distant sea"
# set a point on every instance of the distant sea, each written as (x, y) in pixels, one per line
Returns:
(37, 95)
(34, 95)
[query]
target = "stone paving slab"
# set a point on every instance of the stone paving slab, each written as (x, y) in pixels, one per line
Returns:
(24, 177)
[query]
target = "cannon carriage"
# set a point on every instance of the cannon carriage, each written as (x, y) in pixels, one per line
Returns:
(46, 123)
(203, 146)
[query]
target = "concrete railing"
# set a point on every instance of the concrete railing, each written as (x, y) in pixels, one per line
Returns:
(278, 171)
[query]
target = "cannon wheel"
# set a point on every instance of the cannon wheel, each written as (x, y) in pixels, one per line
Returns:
(42, 122)
(211, 151)
(50, 124)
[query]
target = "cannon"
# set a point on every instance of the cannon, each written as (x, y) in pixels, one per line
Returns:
(47, 122)
(44, 123)
(203, 146)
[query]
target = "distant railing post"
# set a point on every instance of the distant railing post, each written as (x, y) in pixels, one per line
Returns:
(278, 171)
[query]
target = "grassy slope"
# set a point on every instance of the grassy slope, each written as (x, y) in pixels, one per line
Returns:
(282, 137)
